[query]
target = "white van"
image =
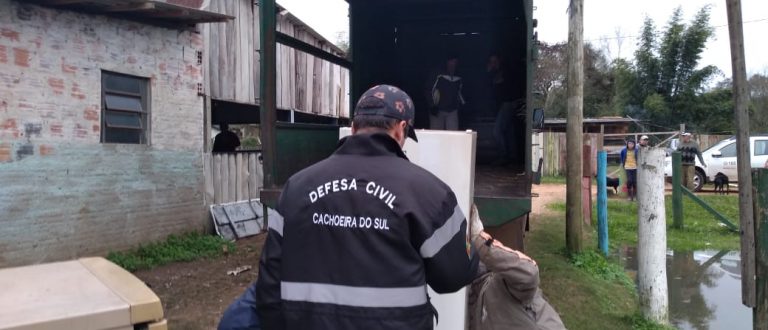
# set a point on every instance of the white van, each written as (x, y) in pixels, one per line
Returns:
(721, 157)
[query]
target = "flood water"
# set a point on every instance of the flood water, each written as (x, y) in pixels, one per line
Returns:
(704, 289)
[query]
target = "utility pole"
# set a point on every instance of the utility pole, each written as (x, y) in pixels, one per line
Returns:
(652, 236)
(740, 99)
(574, 135)
(268, 97)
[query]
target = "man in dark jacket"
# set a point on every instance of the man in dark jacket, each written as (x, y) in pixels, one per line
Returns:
(689, 150)
(358, 236)
(226, 140)
(446, 98)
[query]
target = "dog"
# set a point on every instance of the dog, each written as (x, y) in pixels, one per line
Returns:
(612, 183)
(722, 185)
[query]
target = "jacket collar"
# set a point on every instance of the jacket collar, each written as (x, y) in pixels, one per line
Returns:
(376, 144)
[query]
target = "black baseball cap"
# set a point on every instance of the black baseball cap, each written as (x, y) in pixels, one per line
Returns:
(390, 102)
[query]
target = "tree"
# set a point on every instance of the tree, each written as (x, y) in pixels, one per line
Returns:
(669, 84)
(624, 86)
(550, 80)
(758, 96)
(646, 62)
(550, 68)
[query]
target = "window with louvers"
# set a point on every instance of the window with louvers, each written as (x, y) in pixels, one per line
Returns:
(125, 109)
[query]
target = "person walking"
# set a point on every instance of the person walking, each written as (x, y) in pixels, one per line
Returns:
(629, 157)
(506, 294)
(446, 98)
(356, 238)
(689, 150)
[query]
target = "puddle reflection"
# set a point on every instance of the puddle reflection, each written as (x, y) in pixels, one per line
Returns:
(704, 289)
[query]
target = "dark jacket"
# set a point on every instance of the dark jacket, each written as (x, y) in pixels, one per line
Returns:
(689, 151)
(446, 93)
(507, 296)
(226, 141)
(357, 238)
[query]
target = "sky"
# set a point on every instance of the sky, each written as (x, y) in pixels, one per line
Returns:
(609, 24)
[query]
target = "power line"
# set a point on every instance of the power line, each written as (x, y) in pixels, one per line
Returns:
(661, 33)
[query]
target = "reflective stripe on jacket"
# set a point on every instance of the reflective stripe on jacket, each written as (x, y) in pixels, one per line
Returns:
(355, 240)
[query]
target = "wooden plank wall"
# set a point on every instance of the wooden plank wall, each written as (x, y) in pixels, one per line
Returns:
(554, 152)
(307, 83)
(304, 83)
(232, 177)
(232, 47)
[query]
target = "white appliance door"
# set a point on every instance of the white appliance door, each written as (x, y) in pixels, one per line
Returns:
(449, 155)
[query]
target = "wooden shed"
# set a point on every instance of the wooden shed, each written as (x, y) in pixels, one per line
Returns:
(312, 88)
(305, 84)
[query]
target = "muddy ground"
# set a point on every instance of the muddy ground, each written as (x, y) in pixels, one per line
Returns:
(195, 294)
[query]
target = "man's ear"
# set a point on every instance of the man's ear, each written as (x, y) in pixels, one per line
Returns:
(398, 133)
(354, 129)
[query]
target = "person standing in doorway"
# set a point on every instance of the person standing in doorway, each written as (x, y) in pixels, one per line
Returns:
(226, 140)
(446, 98)
(629, 156)
(689, 150)
(507, 109)
(357, 237)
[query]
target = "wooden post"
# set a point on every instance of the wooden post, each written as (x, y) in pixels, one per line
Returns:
(268, 90)
(677, 190)
(740, 101)
(574, 137)
(760, 311)
(586, 185)
(652, 236)
(602, 202)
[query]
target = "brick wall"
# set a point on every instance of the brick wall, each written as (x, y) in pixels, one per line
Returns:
(64, 194)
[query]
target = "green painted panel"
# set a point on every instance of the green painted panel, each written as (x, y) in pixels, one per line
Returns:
(496, 211)
(301, 145)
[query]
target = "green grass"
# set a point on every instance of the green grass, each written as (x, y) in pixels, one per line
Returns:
(598, 266)
(186, 247)
(702, 231)
(553, 180)
(588, 291)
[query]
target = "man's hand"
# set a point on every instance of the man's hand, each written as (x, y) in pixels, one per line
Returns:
(475, 224)
(485, 236)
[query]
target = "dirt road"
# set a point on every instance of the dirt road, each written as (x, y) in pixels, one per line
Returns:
(195, 294)
(547, 194)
